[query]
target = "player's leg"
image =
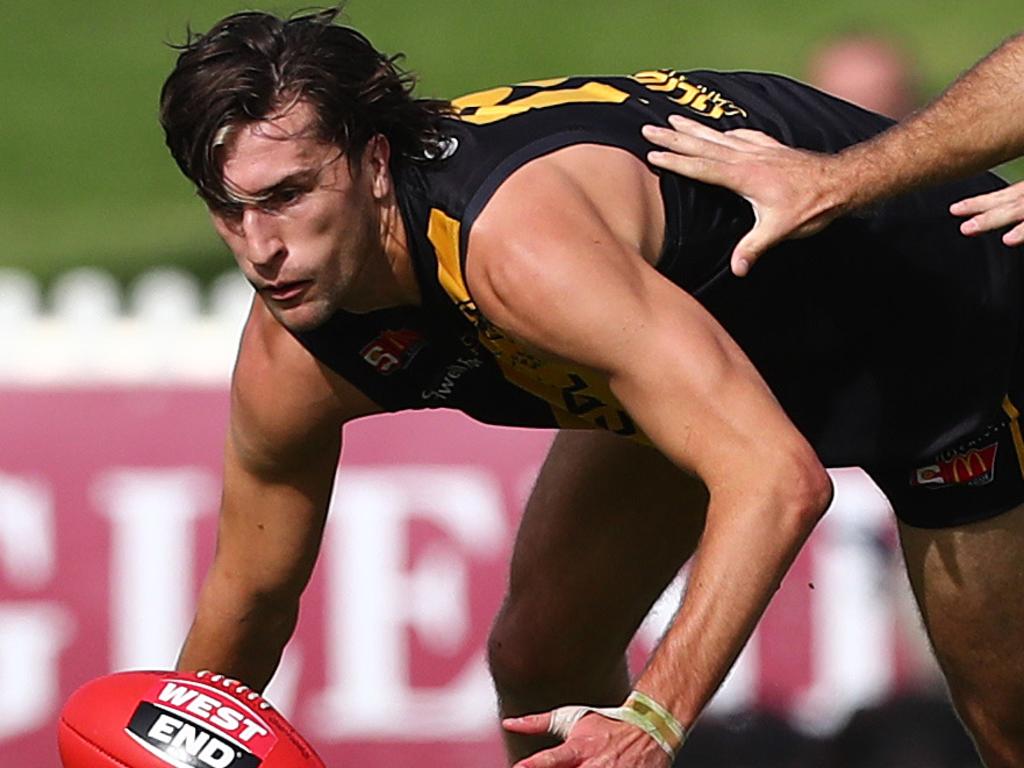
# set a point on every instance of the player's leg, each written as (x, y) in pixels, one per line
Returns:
(607, 527)
(969, 584)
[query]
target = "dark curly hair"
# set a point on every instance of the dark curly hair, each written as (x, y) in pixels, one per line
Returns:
(251, 64)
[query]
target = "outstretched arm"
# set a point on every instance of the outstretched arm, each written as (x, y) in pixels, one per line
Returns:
(570, 286)
(282, 452)
(973, 126)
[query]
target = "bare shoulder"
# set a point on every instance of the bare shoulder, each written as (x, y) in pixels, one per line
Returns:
(585, 190)
(585, 214)
(585, 202)
(283, 401)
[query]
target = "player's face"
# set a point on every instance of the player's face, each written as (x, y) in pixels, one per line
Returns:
(305, 223)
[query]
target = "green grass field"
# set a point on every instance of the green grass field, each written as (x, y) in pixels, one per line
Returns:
(86, 179)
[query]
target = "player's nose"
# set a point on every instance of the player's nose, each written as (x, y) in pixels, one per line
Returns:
(264, 244)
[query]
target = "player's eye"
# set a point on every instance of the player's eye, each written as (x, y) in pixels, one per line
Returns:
(230, 212)
(281, 198)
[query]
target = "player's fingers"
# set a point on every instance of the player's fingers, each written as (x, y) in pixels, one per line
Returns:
(994, 219)
(700, 168)
(684, 126)
(683, 143)
(754, 137)
(980, 203)
(562, 756)
(1015, 236)
(749, 249)
(529, 724)
(687, 144)
(992, 210)
(769, 230)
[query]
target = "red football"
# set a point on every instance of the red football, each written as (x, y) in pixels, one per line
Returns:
(180, 719)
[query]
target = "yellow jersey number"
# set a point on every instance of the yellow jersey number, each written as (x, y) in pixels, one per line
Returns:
(498, 104)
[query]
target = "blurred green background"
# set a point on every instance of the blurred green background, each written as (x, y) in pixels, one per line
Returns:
(86, 178)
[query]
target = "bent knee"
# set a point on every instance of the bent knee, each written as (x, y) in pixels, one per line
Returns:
(525, 658)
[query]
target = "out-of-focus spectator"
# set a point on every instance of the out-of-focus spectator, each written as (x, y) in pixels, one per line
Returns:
(868, 69)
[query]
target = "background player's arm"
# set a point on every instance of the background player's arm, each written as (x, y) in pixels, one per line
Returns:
(570, 285)
(283, 444)
(973, 126)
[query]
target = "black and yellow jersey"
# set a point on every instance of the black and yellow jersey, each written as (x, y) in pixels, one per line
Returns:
(884, 338)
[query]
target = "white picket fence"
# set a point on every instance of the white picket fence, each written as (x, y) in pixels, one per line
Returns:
(162, 329)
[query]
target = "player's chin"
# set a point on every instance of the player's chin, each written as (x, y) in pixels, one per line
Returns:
(300, 317)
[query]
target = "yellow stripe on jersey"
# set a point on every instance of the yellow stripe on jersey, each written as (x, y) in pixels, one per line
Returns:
(443, 233)
(485, 108)
(1018, 440)
(551, 82)
(483, 98)
(580, 397)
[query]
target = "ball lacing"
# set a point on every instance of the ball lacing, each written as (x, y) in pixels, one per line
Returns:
(235, 686)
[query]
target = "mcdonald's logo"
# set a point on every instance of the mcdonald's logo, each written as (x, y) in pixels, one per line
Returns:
(973, 467)
(967, 467)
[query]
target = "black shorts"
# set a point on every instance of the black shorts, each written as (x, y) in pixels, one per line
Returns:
(979, 478)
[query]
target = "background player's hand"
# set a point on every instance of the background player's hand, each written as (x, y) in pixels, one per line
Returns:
(595, 742)
(994, 210)
(791, 190)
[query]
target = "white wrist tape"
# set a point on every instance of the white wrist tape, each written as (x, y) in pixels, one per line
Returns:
(639, 710)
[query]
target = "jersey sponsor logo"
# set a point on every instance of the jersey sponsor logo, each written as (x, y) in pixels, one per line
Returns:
(686, 93)
(973, 467)
(393, 351)
(452, 373)
(191, 725)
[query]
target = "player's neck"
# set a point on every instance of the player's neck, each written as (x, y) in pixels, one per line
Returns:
(395, 247)
(385, 277)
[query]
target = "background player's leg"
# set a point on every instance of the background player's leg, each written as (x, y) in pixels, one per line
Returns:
(607, 527)
(969, 583)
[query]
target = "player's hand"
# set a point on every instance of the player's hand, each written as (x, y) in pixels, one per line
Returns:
(595, 742)
(792, 191)
(992, 211)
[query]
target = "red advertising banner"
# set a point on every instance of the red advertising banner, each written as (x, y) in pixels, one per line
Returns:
(108, 503)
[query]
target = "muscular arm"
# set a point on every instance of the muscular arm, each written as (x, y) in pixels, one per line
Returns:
(974, 125)
(282, 450)
(571, 286)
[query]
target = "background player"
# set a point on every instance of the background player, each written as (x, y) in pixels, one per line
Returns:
(530, 235)
(868, 69)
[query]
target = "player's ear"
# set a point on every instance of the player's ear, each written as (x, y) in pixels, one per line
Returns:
(376, 159)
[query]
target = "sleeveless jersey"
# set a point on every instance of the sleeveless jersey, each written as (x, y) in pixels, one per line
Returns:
(885, 338)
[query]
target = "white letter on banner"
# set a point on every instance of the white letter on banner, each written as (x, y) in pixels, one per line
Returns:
(27, 538)
(32, 633)
(152, 514)
(373, 599)
(32, 636)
